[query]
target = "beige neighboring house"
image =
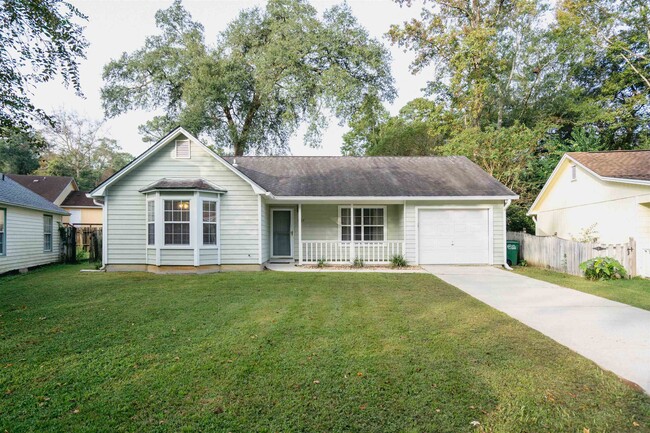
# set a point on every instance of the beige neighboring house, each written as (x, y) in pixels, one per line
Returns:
(608, 191)
(64, 192)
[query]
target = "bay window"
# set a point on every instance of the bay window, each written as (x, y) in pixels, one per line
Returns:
(367, 224)
(177, 222)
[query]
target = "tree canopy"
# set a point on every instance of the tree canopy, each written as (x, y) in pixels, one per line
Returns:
(39, 40)
(270, 71)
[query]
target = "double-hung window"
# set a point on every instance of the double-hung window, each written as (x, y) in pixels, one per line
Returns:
(151, 222)
(177, 222)
(47, 232)
(209, 222)
(3, 232)
(368, 224)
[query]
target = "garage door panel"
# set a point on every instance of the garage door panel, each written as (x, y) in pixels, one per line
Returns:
(453, 236)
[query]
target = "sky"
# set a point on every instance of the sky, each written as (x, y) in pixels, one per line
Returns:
(117, 26)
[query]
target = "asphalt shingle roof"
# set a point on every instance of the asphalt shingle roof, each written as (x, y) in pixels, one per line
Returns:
(49, 187)
(171, 184)
(79, 199)
(377, 176)
(12, 193)
(621, 164)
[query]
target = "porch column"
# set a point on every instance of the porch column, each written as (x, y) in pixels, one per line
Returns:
(300, 233)
(353, 251)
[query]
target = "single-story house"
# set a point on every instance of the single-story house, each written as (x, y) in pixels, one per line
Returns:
(64, 192)
(606, 194)
(180, 206)
(29, 234)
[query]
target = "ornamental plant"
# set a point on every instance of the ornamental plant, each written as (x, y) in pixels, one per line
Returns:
(603, 268)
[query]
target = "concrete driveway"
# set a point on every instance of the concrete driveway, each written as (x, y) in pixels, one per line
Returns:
(613, 335)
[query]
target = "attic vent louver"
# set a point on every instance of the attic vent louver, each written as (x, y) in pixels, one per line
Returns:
(182, 149)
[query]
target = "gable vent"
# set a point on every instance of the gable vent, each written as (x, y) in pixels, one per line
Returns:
(182, 149)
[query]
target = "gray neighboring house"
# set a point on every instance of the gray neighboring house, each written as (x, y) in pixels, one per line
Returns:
(180, 206)
(29, 234)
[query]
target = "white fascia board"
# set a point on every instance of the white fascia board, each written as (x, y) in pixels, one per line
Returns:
(100, 190)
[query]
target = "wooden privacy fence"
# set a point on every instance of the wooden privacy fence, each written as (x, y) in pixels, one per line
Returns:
(565, 256)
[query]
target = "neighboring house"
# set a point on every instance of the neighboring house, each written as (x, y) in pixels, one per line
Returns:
(29, 227)
(180, 206)
(64, 192)
(609, 191)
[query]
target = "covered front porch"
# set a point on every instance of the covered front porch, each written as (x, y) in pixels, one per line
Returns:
(335, 233)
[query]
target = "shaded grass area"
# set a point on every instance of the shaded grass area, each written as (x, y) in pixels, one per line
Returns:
(243, 352)
(635, 291)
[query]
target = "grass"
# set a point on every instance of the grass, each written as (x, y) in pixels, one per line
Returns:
(635, 291)
(303, 352)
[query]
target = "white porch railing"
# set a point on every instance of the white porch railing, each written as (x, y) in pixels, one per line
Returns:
(375, 252)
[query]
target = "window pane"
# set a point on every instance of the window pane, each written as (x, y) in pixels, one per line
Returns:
(210, 211)
(345, 233)
(151, 211)
(373, 233)
(151, 233)
(177, 233)
(345, 216)
(357, 233)
(357, 216)
(210, 234)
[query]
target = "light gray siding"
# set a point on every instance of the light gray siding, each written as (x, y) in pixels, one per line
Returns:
(209, 256)
(498, 234)
(126, 215)
(24, 249)
(177, 257)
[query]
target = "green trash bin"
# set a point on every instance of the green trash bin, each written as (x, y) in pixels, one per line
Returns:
(512, 249)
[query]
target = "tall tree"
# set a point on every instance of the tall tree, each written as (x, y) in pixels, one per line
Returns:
(39, 40)
(20, 151)
(272, 70)
(79, 147)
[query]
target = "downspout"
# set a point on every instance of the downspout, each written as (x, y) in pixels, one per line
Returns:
(505, 250)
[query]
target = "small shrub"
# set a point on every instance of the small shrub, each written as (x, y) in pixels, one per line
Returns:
(82, 255)
(320, 263)
(398, 261)
(523, 263)
(603, 268)
(358, 263)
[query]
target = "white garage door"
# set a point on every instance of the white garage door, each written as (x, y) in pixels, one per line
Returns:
(453, 236)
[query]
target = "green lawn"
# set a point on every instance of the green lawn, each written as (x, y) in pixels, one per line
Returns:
(635, 291)
(271, 352)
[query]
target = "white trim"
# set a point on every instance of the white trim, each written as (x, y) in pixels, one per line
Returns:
(202, 199)
(192, 200)
(300, 233)
(40, 209)
(490, 210)
(368, 206)
(81, 207)
(105, 231)
(198, 216)
(259, 229)
(159, 229)
(101, 189)
(219, 229)
(506, 205)
(290, 232)
(189, 149)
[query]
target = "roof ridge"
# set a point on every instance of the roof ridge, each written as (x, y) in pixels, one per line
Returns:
(610, 151)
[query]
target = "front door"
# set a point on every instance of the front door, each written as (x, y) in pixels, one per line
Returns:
(282, 228)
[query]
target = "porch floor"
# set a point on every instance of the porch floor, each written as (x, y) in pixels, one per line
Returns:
(288, 267)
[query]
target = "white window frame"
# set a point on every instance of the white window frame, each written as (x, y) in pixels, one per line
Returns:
(189, 149)
(216, 200)
(149, 222)
(50, 233)
(3, 233)
(362, 207)
(192, 205)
